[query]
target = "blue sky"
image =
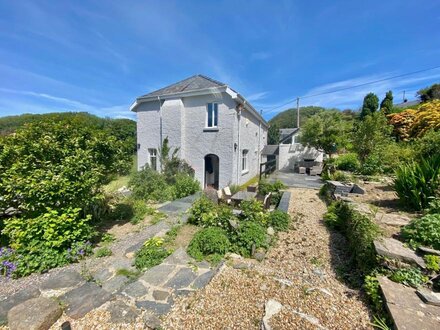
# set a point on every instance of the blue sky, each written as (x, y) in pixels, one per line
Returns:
(97, 56)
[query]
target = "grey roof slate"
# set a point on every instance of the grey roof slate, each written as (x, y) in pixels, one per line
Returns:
(270, 149)
(194, 83)
(286, 133)
(407, 104)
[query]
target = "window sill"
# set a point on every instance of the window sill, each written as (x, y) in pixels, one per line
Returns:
(244, 172)
(210, 129)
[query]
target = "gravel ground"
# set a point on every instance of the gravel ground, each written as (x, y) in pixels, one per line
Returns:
(304, 259)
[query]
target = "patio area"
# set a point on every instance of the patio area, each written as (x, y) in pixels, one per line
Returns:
(296, 180)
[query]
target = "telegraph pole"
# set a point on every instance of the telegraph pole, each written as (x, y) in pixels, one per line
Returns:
(297, 112)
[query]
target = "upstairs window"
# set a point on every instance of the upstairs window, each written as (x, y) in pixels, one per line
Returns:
(244, 160)
(212, 115)
(153, 158)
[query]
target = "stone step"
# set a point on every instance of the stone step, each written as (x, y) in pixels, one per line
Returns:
(392, 248)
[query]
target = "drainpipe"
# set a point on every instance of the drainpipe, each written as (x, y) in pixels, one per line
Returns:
(238, 148)
(259, 149)
(160, 129)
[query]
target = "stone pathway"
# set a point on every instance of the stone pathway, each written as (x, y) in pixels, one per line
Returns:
(102, 282)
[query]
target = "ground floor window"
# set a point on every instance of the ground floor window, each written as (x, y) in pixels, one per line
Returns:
(153, 158)
(244, 160)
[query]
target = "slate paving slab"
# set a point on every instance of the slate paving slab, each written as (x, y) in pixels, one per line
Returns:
(158, 274)
(16, 299)
(160, 295)
(120, 312)
(103, 275)
(135, 290)
(65, 279)
(115, 283)
(183, 278)
(34, 314)
(429, 297)
(392, 248)
(407, 310)
(178, 257)
(82, 300)
(203, 280)
(157, 308)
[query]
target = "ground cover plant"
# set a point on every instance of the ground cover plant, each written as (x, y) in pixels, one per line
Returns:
(151, 254)
(423, 231)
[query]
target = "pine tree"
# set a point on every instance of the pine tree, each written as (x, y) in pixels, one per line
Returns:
(387, 103)
(371, 103)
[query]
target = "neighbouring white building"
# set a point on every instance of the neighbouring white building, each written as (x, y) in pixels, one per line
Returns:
(216, 130)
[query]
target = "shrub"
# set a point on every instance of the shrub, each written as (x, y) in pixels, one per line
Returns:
(202, 212)
(417, 183)
(372, 289)
(151, 254)
(348, 162)
(359, 230)
(409, 276)
(423, 231)
(428, 145)
(249, 234)
(185, 185)
(275, 188)
(103, 252)
(372, 165)
(148, 184)
(279, 220)
(208, 242)
(432, 262)
(140, 209)
(253, 210)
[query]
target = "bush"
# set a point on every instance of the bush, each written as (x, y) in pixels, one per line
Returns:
(348, 162)
(279, 220)
(275, 188)
(372, 165)
(151, 254)
(423, 231)
(428, 145)
(359, 230)
(185, 185)
(202, 212)
(417, 183)
(249, 234)
(140, 209)
(432, 262)
(148, 184)
(372, 289)
(208, 242)
(253, 210)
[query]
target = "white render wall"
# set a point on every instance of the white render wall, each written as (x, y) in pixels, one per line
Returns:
(184, 122)
(290, 154)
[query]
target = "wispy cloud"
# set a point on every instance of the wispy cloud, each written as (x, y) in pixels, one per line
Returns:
(257, 96)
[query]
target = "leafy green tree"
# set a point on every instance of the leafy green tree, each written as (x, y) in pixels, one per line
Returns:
(429, 93)
(371, 136)
(287, 118)
(370, 105)
(273, 134)
(326, 131)
(387, 103)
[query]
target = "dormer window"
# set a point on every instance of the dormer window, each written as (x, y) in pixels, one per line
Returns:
(212, 115)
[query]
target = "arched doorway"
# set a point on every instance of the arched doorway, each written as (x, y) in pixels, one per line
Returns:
(212, 165)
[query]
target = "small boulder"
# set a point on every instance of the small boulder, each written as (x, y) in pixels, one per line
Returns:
(34, 314)
(271, 308)
(270, 231)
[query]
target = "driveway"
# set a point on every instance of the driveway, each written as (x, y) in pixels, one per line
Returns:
(297, 180)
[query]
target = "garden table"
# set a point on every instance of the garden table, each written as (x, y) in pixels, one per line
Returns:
(243, 196)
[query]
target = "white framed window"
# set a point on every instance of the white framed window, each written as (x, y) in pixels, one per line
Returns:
(244, 160)
(153, 158)
(212, 115)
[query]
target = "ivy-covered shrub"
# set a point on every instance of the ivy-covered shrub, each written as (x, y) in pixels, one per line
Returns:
(209, 242)
(151, 254)
(423, 231)
(348, 162)
(249, 235)
(359, 230)
(416, 183)
(279, 220)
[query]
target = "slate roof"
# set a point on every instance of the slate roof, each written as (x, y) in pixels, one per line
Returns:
(286, 133)
(407, 104)
(270, 149)
(194, 83)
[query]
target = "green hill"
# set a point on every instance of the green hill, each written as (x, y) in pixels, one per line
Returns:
(287, 118)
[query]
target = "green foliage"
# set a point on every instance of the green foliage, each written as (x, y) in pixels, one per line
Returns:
(429, 93)
(409, 276)
(288, 118)
(127, 273)
(103, 252)
(151, 254)
(359, 230)
(108, 238)
(335, 176)
(209, 241)
(432, 262)
(275, 188)
(372, 289)
(423, 231)
(249, 235)
(326, 131)
(347, 162)
(417, 183)
(185, 185)
(253, 210)
(235, 188)
(148, 184)
(279, 220)
(199, 211)
(140, 209)
(386, 106)
(428, 145)
(273, 134)
(370, 105)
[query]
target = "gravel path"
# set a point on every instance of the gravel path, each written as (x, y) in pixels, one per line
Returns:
(298, 272)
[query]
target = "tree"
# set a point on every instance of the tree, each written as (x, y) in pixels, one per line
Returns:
(326, 131)
(370, 136)
(429, 93)
(370, 105)
(273, 135)
(387, 103)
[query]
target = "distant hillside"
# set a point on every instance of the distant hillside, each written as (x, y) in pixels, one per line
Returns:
(287, 118)
(124, 129)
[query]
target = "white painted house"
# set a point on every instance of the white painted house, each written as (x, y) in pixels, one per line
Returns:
(216, 130)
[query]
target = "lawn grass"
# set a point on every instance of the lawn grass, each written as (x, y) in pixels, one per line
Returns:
(121, 180)
(252, 181)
